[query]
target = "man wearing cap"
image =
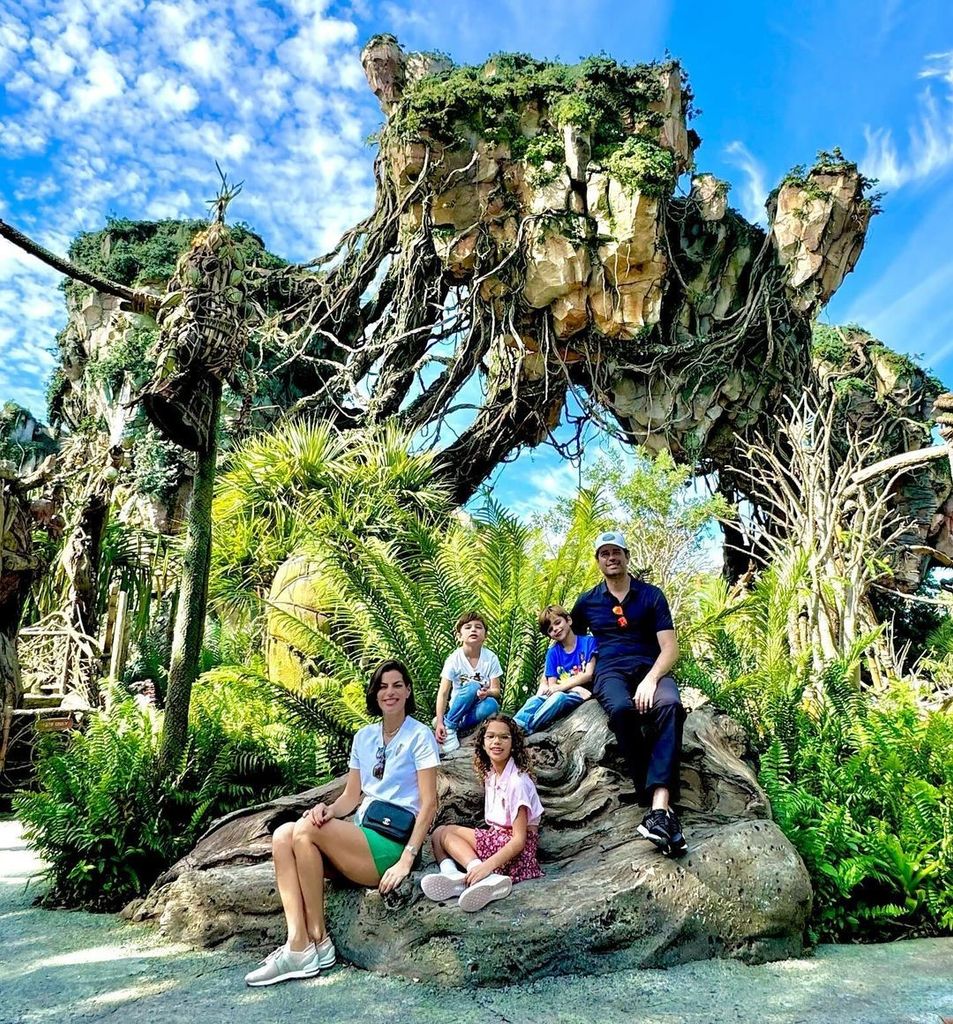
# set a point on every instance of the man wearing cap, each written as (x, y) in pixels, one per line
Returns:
(637, 648)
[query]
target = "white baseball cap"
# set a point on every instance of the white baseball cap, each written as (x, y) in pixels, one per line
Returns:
(611, 537)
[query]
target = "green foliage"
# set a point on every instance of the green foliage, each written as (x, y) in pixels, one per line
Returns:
(866, 799)
(862, 786)
(918, 628)
(126, 359)
(144, 252)
(108, 822)
(544, 147)
(830, 344)
(57, 388)
(305, 480)
(833, 162)
(597, 94)
(641, 165)
(158, 465)
(908, 367)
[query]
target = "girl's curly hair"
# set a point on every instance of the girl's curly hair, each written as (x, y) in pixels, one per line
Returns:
(519, 752)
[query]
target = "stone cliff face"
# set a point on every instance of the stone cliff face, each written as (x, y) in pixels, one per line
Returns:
(677, 318)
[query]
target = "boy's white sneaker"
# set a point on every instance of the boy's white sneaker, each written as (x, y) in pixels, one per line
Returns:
(451, 743)
(493, 887)
(441, 887)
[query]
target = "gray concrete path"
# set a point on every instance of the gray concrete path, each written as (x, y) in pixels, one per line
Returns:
(65, 966)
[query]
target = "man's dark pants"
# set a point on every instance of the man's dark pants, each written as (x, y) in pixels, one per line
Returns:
(650, 743)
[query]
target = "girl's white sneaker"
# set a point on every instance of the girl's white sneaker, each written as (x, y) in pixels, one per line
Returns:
(440, 887)
(493, 887)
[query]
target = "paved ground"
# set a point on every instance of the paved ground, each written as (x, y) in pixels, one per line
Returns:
(59, 966)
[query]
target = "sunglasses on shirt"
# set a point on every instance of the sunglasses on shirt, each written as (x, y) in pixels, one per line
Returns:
(620, 616)
(380, 762)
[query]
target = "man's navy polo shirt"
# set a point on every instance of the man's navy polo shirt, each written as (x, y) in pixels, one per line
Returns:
(646, 613)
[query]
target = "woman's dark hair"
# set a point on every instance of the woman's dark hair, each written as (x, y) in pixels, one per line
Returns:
(377, 679)
(519, 752)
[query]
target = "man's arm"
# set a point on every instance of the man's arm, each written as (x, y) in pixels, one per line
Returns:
(579, 617)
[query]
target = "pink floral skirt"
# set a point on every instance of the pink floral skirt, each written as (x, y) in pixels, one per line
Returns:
(492, 839)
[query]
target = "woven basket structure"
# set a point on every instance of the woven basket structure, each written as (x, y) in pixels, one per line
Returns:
(202, 338)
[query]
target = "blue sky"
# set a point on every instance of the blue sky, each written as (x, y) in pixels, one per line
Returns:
(121, 107)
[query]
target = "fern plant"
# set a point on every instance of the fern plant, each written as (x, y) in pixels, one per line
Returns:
(108, 822)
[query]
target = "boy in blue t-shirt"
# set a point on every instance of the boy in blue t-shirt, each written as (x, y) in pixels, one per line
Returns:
(570, 663)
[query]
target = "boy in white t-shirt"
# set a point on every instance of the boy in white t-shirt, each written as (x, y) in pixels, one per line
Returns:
(469, 683)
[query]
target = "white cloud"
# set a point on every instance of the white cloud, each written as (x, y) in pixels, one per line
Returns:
(205, 56)
(104, 81)
(753, 191)
(122, 107)
(929, 144)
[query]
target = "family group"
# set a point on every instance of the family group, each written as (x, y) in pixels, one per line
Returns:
(617, 645)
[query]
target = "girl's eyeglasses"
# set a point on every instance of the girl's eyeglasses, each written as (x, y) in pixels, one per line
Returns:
(380, 762)
(620, 616)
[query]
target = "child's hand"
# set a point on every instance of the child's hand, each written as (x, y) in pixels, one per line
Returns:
(480, 871)
(482, 693)
(441, 733)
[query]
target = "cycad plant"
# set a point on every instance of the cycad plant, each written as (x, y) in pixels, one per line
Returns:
(401, 597)
(307, 480)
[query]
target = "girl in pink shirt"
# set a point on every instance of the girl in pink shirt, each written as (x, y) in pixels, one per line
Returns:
(504, 852)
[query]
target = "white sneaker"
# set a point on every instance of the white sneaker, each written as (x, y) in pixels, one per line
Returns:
(451, 743)
(440, 887)
(284, 964)
(493, 887)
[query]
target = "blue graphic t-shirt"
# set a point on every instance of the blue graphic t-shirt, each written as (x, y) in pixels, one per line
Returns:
(559, 661)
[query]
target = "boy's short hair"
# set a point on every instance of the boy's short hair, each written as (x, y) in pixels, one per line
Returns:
(550, 612)
(471, 616)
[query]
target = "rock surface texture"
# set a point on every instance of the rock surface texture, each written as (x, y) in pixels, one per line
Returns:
(607, 901)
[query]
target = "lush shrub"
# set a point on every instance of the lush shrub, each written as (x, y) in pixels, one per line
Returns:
(861, 783)
(108, 821)
(865, 793)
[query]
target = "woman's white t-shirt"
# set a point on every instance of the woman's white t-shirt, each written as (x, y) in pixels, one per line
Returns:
(413, 747)
(459, 671)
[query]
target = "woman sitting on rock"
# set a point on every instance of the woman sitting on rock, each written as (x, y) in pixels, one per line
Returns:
(393, 766)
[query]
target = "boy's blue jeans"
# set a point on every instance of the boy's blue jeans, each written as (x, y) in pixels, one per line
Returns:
(538, 712)
(466, 711)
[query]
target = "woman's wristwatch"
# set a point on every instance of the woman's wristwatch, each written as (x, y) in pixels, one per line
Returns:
(411, 849)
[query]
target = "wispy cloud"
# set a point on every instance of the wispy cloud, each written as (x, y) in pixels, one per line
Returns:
(122, 107)
(753, 191)
(929, 145)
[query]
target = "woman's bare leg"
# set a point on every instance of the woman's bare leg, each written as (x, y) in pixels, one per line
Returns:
(345, 846)
(454, 841)
(286, 877)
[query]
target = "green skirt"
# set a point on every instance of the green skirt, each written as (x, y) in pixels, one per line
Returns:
(386, 852)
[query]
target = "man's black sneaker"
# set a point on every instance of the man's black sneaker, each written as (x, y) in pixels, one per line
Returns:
(677, 847)
(655, 827)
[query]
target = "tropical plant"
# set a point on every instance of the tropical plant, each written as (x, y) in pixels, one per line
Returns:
(861, 784)
(108, 821)
(305, 480)
(666, 520)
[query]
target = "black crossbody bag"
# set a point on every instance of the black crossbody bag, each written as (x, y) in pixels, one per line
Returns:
(390, 821)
